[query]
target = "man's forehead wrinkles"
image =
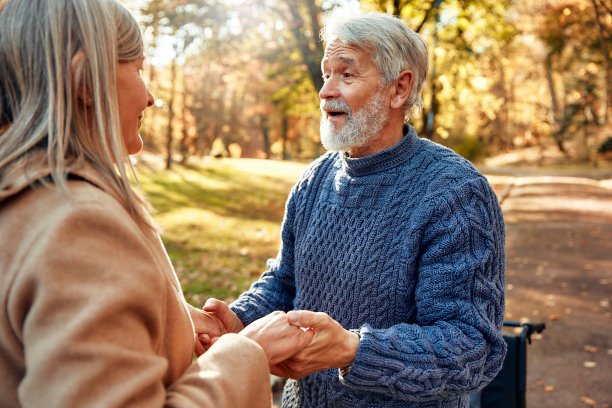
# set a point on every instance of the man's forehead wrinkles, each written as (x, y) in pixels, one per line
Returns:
(340, 56)
(342, 52)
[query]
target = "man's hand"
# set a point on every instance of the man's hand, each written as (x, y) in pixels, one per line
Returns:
(230, 321)
(206, 326)
(215, 320)
(331, 347)
(279, 339)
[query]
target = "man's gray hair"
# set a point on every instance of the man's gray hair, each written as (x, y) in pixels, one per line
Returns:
(393, 45)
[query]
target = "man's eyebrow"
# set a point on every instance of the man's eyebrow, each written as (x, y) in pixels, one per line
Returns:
(347, 60)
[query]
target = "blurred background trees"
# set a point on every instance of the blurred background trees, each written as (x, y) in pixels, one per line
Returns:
(240, 78)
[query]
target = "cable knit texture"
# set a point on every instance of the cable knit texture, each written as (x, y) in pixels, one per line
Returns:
(408, 245)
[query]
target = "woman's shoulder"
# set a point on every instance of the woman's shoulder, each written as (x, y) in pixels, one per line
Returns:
(43, 224)
(82, 203)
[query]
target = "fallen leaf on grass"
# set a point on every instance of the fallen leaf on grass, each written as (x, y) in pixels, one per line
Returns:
(553, 317)
(549, 388)
(589, 364)
(588, 401)
(591, 349)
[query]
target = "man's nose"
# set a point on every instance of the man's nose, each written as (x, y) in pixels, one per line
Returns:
(329, 89)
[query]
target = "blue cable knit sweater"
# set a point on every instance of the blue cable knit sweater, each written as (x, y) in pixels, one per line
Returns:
(408, 245)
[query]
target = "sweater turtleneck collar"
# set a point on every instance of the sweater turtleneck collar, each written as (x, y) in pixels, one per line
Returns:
(383, 160)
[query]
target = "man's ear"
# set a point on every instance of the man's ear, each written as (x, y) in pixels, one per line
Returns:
(403, 88)
(76, 64)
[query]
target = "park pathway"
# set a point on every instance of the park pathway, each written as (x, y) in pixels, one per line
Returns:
(559, 271)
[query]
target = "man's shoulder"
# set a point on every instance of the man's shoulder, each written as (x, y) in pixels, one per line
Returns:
(443, 161)
(320, 164)
(326, 158)
(439, 172)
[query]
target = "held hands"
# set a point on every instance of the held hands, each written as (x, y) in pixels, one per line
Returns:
(215, 320)
(296, 344)
(279, 339)
(226, 320)
(331, 347)
(208, 323)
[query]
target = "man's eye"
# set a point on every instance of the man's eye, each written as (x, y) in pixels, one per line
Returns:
(347, 75)
(326, 76)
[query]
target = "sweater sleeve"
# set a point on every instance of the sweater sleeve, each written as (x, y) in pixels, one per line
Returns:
(455, 346)
(275, 289)
(89, 307)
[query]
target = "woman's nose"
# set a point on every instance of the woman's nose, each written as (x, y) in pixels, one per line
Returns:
(150, 98)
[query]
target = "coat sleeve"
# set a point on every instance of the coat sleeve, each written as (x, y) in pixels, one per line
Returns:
(90, 308)
(455, 346)
(232, 373)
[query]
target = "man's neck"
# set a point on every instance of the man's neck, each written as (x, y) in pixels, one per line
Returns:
(390, 135)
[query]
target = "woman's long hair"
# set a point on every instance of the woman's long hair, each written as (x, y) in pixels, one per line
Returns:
(58, 92)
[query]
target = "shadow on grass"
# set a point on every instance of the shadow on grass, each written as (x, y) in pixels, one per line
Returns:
(221, 221)
(222, 190)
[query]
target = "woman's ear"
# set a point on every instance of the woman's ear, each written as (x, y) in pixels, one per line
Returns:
(76, 64)
(403, 88)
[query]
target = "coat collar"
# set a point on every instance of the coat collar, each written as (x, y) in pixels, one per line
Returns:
(34, 167)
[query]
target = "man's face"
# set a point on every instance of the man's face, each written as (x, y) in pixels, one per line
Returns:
(353, 102)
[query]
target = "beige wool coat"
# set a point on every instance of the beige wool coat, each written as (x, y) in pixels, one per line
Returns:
(92, 313)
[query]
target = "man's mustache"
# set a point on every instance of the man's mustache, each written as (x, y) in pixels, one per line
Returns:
(335, 105)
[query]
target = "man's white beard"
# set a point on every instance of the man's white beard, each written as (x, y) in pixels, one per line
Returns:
(359, 129)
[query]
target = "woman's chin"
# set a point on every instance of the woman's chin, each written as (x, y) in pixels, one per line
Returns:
(135, 145)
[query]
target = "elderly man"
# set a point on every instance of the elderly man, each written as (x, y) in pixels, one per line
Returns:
(392, 246)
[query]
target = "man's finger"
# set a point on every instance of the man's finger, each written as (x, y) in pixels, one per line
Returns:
(212, 305)
(306, 318)
(306, 336)
(199, 348)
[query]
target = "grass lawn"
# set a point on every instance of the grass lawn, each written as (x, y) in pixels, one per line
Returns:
(221, 220)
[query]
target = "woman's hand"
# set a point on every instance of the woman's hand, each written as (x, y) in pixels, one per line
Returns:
(279, 339)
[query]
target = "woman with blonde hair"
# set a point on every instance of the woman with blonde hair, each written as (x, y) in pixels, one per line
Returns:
(93, 313)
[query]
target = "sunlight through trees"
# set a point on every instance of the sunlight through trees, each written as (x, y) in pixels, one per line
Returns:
(503, 75)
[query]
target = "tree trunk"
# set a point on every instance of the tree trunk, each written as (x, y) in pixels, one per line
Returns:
(266, 135)
(604, 50)
(285, 156)
(170, 114)
(554, 105)
(185, 138)
(434, 102)
(311, 57)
